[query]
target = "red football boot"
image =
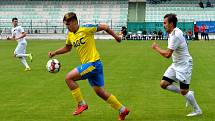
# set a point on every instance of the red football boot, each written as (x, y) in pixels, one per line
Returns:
(123, 114)
(80, 109)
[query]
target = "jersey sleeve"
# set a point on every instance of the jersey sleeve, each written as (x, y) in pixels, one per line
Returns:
(91, 28)
(21, 29)
(68, 42)
(173, 43)
(12, 33)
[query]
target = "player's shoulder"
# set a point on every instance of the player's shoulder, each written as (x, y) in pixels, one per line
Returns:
(89, 25)
(68, 33)
(177, 32)
(13, 28)
(19, 26)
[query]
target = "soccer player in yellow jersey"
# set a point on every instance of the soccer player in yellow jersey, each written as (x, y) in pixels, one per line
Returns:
(82, 38)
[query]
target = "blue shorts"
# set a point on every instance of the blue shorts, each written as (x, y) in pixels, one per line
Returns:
(93, 71)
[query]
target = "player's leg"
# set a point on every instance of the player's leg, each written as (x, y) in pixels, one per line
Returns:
(168, 79)
(71, 77)
(167, 83)
(189, 95)
(185, 76)
(113, 101)
(96, 80)
(29, 55)
(20, 50)
(20, 53)
(83, 71)
(24, 62)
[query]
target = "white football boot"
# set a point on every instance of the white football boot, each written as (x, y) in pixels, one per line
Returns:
(195, 113)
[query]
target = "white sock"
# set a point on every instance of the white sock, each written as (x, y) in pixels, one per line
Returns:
(122, 109)
(82, 103)
(24, 62)
(190, 97)
(22, 55)
(173, 88)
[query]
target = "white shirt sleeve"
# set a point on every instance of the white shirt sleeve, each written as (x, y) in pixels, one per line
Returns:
(21, 29)
(12, 33)
(173, 43)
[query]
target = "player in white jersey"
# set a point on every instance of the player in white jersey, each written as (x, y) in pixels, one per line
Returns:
(181, 68)
(18, 34)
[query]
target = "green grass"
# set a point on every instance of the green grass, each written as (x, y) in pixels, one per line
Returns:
(132, 73)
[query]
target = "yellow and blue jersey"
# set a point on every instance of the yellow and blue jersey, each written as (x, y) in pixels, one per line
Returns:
(83, 41)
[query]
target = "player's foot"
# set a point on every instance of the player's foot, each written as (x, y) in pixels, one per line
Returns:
(80, 109)
(30, 57)
(27, 69)
(187, 102)
(123, 114)
(195, 113)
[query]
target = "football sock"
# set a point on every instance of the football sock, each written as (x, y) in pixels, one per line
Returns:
(22, 55)
(190, 97)
(114, 102)
(173, 88)
(82, 102)
(122, 109)
(24, 62)
(78, 96)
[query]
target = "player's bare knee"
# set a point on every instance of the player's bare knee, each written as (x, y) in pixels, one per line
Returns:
(184, 91)
(71, 83)
(184, 88)
(68, 79)
(163, 85)
(101, 93)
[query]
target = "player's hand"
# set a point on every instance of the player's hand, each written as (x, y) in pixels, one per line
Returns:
(51, 54)
(8, 38)
(154, 45)
(118, 38)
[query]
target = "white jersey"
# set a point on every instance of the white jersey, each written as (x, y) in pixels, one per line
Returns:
(17, 31)
(177, 42)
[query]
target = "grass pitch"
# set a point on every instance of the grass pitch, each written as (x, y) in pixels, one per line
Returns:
(132, 73)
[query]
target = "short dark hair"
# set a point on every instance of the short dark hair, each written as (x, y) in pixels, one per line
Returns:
(70, 17)
(13, 19)
(171, 18)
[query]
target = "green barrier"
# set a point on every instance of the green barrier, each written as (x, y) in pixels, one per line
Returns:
(156, 26)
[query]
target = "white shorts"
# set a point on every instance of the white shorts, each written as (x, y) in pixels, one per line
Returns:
(180, 72)
(20, 48)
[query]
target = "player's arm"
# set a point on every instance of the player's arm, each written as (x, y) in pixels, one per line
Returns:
(11, 38)
(109, 31)
(22, 35)
(165, 53)
(59, 51)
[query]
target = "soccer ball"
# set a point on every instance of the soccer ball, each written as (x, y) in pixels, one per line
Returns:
(53, 66)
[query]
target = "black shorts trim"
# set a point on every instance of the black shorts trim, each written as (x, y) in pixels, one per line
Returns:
(168, 79)
(184, 86)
